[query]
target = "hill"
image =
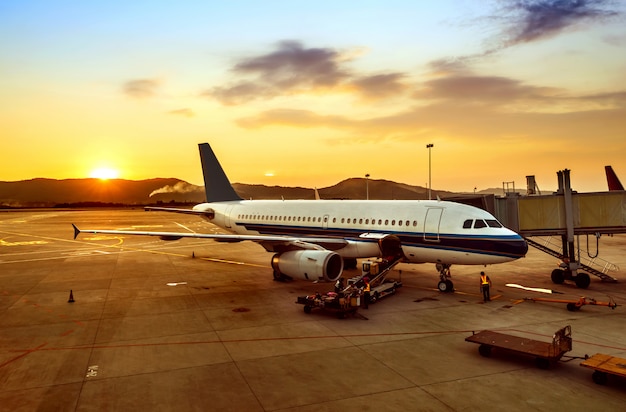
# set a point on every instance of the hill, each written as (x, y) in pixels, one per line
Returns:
(89, 192)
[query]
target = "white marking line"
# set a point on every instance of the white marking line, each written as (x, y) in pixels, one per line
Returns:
(184, 227)
(89, 252)
(176, 283)
(92, 371)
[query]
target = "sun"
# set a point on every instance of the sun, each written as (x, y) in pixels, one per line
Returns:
(104, 173)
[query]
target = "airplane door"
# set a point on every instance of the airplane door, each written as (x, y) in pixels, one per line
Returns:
(227, 216)
(431, 224)
(325, 221)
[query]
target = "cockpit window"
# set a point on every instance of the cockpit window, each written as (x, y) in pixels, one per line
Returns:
(468, 224)
(493, 223)
(479, 223)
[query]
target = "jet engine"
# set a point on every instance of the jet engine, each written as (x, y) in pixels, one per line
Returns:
(308, 264)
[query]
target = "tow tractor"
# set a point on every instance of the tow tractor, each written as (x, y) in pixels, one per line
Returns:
(376, 271)
(345, 302)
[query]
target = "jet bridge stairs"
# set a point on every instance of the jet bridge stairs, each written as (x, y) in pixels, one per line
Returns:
(588, 265)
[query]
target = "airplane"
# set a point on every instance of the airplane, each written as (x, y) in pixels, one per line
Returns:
(612, 179)
(316, 239)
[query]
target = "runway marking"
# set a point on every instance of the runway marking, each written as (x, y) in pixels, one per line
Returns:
(122, 249)
(26, 352)
(185, 227)
(92, 371)
(26, 243)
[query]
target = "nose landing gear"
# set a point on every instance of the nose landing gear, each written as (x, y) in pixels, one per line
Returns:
(445, 284)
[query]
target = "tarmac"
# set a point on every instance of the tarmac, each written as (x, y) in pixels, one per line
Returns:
(196, 325)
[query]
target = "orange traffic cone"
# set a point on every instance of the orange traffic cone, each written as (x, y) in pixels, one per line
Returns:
(71, 299)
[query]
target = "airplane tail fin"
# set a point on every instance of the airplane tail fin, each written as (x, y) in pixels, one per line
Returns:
(612, 179)
(216, 185)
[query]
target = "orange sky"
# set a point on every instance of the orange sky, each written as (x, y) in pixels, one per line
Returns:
(309, 95)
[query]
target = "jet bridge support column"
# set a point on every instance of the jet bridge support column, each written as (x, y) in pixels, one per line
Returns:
(570, 263)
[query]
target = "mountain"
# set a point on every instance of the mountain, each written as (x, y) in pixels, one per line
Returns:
(90, 192)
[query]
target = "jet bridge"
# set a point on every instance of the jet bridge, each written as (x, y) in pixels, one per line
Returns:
(567, 225)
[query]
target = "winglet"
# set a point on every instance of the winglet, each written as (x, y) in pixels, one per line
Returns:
(216, 184)
(76, 231)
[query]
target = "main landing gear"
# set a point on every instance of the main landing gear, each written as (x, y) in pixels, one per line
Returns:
(581, 279)
(445, 284)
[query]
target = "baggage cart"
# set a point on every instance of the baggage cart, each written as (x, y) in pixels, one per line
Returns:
(545, 353)
(603, 366)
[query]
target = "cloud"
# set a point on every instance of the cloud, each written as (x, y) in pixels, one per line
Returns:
(294, 69)
(183, 112)
(141, 88)
(483, 89)
(531, 20)
(293, 117)
(380, 86)
(467, 106)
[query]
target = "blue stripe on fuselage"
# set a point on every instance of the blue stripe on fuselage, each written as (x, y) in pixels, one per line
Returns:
(511, 246)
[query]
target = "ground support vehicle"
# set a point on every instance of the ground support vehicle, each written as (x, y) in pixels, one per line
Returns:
(604, 365)
(545, 353)
(340, 304)
(376, 272)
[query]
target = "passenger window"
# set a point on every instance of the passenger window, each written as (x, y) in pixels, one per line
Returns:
(493, 223)
(386, 221)
(360, 221)
(399, 223)
(479, 223)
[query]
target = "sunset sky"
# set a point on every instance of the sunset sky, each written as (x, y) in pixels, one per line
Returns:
(310, 93)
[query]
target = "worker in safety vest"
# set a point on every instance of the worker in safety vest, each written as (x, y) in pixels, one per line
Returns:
(485, 283)
(366, 293)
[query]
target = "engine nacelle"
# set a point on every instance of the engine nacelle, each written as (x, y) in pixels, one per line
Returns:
(309, 264)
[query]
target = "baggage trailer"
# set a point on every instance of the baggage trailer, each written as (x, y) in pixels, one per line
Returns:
(545, 353)
(604, 365)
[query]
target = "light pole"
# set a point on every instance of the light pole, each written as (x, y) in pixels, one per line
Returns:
(429, 146)
(367, 187)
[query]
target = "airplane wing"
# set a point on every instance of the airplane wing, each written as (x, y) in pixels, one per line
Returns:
(270, 243)
(174, 210)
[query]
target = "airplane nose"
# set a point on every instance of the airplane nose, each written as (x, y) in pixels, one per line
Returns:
(519, 246)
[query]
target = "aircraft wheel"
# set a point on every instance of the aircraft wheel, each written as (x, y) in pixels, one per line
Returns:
(442, 286)
(450, 286)
(558, 276)
(572, 307)
(307, 309)
(484, 350)
(582, 280)
(599, 377)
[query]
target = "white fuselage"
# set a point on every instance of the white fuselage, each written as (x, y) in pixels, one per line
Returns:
(430, 231)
